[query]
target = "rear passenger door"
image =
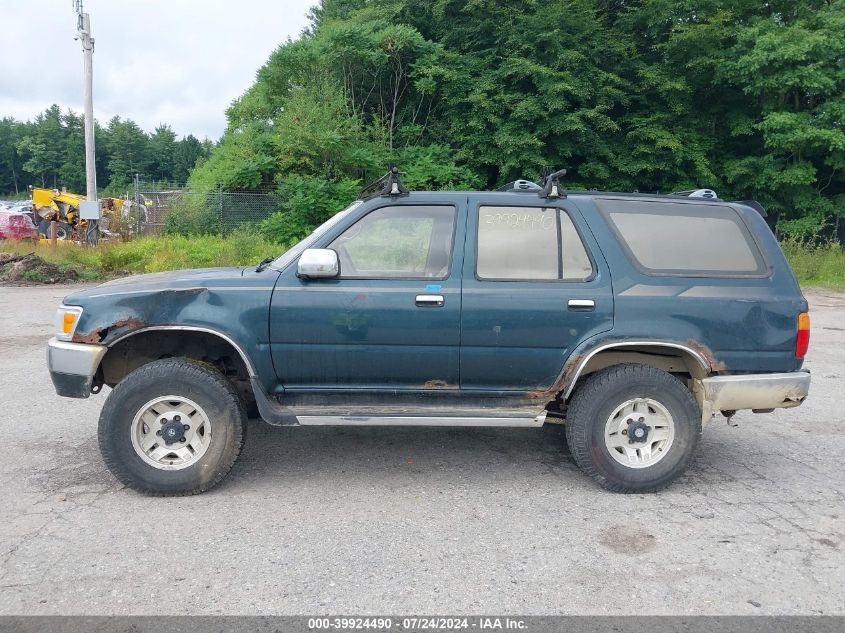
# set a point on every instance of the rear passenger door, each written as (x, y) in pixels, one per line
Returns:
(535, 285)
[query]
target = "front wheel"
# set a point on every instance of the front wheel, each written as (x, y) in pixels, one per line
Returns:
(172, 427)
(633, 428)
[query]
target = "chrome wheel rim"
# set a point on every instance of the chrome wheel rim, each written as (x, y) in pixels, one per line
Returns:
(168, 415)
(639, 433)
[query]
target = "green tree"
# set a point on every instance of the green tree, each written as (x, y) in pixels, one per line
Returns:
(789, 65)
(42, 147)
(128, 147)
(187, 152)
(162, 148)
(10, 160)
(72, 170)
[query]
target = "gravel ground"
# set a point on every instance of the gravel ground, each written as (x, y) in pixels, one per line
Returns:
(322, 520)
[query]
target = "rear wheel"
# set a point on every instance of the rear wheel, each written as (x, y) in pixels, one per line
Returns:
(633, 428)
(172, 427)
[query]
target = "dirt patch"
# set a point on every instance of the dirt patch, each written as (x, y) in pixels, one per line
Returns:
(629, 540)
(31, 269)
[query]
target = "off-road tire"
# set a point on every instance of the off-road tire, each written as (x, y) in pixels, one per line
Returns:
(197, 381)
(598, 396)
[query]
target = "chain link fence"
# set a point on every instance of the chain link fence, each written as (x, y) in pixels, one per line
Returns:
(169, 208)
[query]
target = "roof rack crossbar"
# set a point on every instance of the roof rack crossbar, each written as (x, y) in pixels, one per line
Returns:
(387, 185)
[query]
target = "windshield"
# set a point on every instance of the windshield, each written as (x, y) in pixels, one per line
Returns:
(281, 262)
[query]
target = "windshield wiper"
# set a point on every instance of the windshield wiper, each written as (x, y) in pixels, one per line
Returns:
(264, 263)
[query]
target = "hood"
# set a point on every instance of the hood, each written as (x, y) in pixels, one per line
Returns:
(218, 299)
(155, 282)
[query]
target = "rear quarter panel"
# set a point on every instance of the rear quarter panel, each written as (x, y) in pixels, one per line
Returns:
(740, 324)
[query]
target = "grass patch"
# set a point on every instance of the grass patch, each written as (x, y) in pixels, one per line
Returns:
(821, 265)
(152, 254)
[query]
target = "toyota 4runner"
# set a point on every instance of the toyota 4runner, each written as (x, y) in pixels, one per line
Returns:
(632, 319)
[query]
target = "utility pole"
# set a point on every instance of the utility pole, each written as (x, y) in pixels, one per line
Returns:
(83, 27)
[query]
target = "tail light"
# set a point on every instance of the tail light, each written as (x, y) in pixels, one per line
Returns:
(802, 341)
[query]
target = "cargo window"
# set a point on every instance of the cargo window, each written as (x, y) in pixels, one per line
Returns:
(674, 238)
(398, 242)
(530, 243)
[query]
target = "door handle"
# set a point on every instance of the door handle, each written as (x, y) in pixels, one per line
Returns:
(581, 305)
(430, 301)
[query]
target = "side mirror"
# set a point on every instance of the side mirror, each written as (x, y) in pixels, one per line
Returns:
(318, 263)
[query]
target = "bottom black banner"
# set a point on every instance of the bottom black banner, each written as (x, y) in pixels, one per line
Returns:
(421, 623)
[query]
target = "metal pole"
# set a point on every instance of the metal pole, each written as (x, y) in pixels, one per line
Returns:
(137, 207)
(84, 29)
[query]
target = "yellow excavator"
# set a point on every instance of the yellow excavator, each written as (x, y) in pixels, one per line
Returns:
(63, 207)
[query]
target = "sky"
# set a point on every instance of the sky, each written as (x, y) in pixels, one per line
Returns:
(180, 62)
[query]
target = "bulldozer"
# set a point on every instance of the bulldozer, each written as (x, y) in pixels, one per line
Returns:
(119, 215)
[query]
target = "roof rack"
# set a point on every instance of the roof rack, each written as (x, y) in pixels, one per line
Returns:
(551, 184)
(697, 193)
(387, 185)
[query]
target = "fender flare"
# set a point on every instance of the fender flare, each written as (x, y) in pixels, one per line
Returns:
(586, 356)
(192, 328)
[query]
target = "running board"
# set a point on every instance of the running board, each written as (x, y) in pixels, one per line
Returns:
(418, 420)
(493, 412)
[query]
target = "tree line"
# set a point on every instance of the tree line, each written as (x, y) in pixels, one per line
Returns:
(744, 96)
(49, 151)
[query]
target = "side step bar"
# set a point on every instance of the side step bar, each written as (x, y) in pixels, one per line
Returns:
(411, 420)
(435, 412)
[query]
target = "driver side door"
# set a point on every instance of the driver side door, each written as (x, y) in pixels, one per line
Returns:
(391, 319)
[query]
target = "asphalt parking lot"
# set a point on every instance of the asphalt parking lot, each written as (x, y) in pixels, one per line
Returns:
(399, 521)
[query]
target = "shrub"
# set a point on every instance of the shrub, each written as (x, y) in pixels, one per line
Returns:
(193, 214)
(307, 203)
(816, 265)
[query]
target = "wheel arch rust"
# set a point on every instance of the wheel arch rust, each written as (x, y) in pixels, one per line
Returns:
(573, 369)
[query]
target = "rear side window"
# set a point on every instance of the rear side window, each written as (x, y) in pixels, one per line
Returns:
(684, 238)
(530, 243)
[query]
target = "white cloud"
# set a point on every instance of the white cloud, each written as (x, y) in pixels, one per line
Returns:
(180, 62)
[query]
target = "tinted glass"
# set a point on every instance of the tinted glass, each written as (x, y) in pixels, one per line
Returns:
(682, 238)
(524, 243)
(398, 242)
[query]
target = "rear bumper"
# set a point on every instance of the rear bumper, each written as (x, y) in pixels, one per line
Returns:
(752, 391)
(72, 366)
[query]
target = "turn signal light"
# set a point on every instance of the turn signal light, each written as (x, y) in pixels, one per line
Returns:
(68, 322)
(67, 318)
(802, 341)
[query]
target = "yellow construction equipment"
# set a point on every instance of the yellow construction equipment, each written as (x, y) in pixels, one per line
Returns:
(63, 207)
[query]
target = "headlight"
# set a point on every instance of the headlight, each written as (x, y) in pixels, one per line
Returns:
(67, 317)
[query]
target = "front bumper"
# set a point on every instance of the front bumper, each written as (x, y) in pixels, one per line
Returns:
(72, 366)
(752, 391)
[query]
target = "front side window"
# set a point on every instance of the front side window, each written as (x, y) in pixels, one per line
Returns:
(398, 242)
(291, 254)
(684, 238)
(530, 243)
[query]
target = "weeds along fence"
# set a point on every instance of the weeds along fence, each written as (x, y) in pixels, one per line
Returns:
(217, 212)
